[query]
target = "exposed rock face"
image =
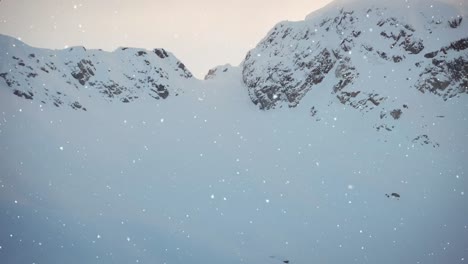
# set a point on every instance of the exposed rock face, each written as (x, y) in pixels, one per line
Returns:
(26, 95)
(444, 76)
(70, 76)
(216, 71)
(280, 84)
(456, 22)
(425, 140)
(396, 114)
(161, 53)
(361, 100)
(346, 73)
(84, 70)
(399, 36)
(296, 57)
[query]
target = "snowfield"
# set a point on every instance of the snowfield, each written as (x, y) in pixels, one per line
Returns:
(255, 164)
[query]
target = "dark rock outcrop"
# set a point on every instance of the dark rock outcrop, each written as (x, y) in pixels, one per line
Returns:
(83, 71)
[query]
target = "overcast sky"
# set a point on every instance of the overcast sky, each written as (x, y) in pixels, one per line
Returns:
(201, 33)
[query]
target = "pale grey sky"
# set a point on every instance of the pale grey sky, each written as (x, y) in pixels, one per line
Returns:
(202, 33)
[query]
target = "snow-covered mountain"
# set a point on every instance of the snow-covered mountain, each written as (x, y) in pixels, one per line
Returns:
(347, 45)
(72, 76)
(340, 138)
(342, 48)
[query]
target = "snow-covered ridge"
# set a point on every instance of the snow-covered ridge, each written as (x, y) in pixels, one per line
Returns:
(361, 52)
(75, 75)
(353, 49)
(404, 8)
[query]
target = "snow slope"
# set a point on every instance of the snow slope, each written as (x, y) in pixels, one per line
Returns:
(206, 177)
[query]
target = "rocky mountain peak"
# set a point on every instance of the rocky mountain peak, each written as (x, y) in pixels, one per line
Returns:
(74, 75)
(351, 48)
